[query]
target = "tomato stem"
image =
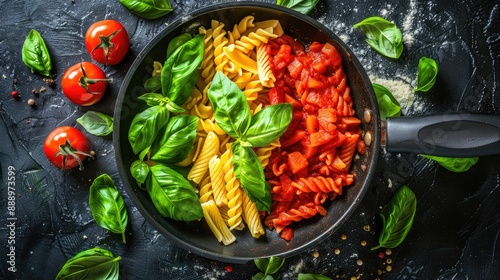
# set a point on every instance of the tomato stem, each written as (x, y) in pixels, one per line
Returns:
(66, 150)
(85, 81)
(106, 44)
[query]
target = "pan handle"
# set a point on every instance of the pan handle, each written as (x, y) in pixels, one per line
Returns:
(454, 135)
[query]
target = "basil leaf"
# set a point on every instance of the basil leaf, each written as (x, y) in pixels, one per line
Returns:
(139, 171)
(153, 99)
(176, 142)
(454, 164)
(397, 217)
(152, 84)
(269, 265)
(302, 6)
(145, 127)
(268, 124)
(382, 35)
(309, 276)
(107, 205)
(172, 195)
(176, 42)
(96, 123)
(262, 276)
(95, 263)
(231, 110)
(35, 54)
(388, 105)
(149, 9)
(249, 171)
(427, 74)
(179, 73)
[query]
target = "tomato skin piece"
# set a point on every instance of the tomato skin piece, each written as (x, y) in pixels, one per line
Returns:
(59, 137)
(117, 47)
(74, 91)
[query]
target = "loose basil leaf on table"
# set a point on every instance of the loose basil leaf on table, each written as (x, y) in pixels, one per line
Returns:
(231, 110)
(382, 35)
(269, 265)
(302, 6)
(95, 263)
(35, 54)
(268, 124)
(312, 276)
(179, 72)
(176, 141)
(454, 164)
(176, 42)
(388, 105)
(145, 127)
(248, 170)
(149, 9)
(107, 205)
(427, 73)
(397, 217)
(96, 123)
(139, 171)
(172, 195)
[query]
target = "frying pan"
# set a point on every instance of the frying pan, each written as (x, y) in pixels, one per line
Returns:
(196, 236)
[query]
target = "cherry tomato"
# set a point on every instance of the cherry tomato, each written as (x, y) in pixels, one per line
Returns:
(84, 83)
(66, 147)
(107, 41)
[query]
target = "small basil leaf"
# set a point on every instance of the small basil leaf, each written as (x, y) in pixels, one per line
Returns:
(249, 171)
(153, 99)
(454, 164)
(179, 73)
(149, 9)
(152, 84)
(268, 124)
(96, 123)
(388, 105)
(139, 171)
(172, 195)
(176, 142)
(382, 35)
(427, 74)
(145, 127)
(302, 6)
(397, 217)
(269, 265)
(35, 54)
(231, 110)
(95, 263)
(176, 42)
(310, 276)
(262, 276)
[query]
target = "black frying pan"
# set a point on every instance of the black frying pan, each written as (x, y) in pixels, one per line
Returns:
(196, 236)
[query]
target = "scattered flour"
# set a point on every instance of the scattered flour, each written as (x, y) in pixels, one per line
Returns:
(400, 87)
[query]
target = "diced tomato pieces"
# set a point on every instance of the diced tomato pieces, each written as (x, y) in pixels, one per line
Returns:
(276, 95)
(296, 162)
(316, 47)
(315, 84)
(287, 234)
(320, 137)
(295, 68)
(326, 118)
(332, 52)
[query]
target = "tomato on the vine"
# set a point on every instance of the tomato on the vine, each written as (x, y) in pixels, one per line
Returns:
(84, 83)
(66, 147)
(107, 41)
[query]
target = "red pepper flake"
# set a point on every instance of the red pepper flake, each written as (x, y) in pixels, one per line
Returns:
(229, 268)
(15, 94)
(381, 255)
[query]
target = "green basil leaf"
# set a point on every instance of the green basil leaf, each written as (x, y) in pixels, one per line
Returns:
(268, 124)
(107, 205)
(382, 35)
(310, 276)
(176, 142)
(388, 105)
(179, 73)
(35, 54)
(249, 171)
(454, 164)
(145, 127)
(96, 123)
(172, 195)
(152, 84)
(269, 265)
(231, 110)
(95, 263)
(427, 74)
(176, 42)
(302, 6)
(139, 171)
(153, 99)
(397, 217)
(149, 9)
(262, 276)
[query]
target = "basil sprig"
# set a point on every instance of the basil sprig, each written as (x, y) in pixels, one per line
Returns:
(397, 217)
(145, 127)
(96, 123)
(387, 103)
(267, 267)
(35, 54)
(302, 6)
(95, 263)
(427, 74)
(149, 9)
(382, 35)
(232, 114)
(453, 164)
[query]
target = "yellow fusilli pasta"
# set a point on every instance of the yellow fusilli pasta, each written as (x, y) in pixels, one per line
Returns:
(200, 166)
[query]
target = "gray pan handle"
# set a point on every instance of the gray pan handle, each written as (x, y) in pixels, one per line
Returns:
(454, 135)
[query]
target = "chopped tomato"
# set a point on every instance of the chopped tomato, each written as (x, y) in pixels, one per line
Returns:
(296, 162)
